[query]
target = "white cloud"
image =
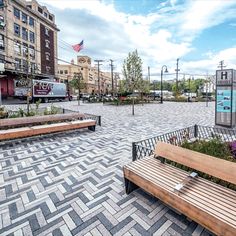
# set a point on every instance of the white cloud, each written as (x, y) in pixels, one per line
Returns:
(200, 15)
(160, 37)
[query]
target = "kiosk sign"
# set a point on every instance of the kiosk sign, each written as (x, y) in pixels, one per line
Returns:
(225, 108)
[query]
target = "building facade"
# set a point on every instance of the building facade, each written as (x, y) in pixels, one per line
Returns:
(28, 42)
(94, 84)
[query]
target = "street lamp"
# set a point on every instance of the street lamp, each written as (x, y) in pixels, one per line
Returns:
(166, 71)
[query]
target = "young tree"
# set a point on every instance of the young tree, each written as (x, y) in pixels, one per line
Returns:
(132, 71)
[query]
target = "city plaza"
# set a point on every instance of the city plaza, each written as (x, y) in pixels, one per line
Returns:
(72, 183)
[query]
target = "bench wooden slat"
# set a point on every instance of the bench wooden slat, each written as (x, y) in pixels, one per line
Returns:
(39, 119)
(205, 218)
(216, 167)
(201, 199)
(164, 180)
(210, 187)
(44, 129)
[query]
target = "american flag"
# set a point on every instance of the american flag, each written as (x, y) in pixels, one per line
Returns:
(79, 46)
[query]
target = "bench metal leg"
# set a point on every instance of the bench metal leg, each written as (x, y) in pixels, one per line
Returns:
(130, 186)
(92, 128)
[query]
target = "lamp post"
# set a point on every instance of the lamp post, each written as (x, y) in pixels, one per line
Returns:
(166, 71)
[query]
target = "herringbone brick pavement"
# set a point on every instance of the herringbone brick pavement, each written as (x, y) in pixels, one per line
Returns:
(72, 183)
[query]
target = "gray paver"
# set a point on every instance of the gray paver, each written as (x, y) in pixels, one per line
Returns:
(72, 182)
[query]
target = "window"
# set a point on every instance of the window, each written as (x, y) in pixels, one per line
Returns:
(33, 67)
(50, 17)
(16, 29)
(24, 33)
(2, 23)
(31, 21)
(47, 56)
(2, 46)
(24, 18)
(17, 63)
(1, 3)
(25, 50)
(32, 52)
(66, 72)
(17, 47)
(48, 68)
(61, 72)
(45, 14)
(31, 36)
(46, 31)
(29, 6)
(47, 43)
(40, 10)
(17, 13)
(25, 66)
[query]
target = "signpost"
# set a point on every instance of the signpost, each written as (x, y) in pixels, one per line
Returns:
(225, 108)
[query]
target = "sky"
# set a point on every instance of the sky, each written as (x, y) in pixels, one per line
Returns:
(200, 33)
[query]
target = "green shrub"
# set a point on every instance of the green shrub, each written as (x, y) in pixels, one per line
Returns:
(52, 110)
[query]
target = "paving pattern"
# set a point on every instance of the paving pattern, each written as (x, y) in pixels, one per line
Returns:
(72, 183)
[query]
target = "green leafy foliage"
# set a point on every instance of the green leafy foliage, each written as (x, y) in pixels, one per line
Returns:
(52, 110)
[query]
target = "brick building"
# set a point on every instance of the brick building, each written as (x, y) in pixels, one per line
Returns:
(28, 42)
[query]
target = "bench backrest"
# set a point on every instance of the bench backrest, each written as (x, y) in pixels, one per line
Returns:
(216, 167)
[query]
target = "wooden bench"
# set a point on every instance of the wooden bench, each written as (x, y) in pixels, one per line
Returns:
(36, 120)
(209, 204)
(46, 129)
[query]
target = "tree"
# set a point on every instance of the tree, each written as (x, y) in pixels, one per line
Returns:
(76, 84)
(132, 71)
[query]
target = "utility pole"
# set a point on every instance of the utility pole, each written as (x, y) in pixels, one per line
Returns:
(177, 75)
(98, 64)
(221, 65)
(149, 74)
(189, 97)
(112, 80)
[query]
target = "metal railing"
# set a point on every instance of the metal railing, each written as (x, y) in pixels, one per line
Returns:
(146, 147)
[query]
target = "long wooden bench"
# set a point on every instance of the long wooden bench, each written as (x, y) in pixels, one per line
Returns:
(46, 129)
(36, 120)
(209, 204)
